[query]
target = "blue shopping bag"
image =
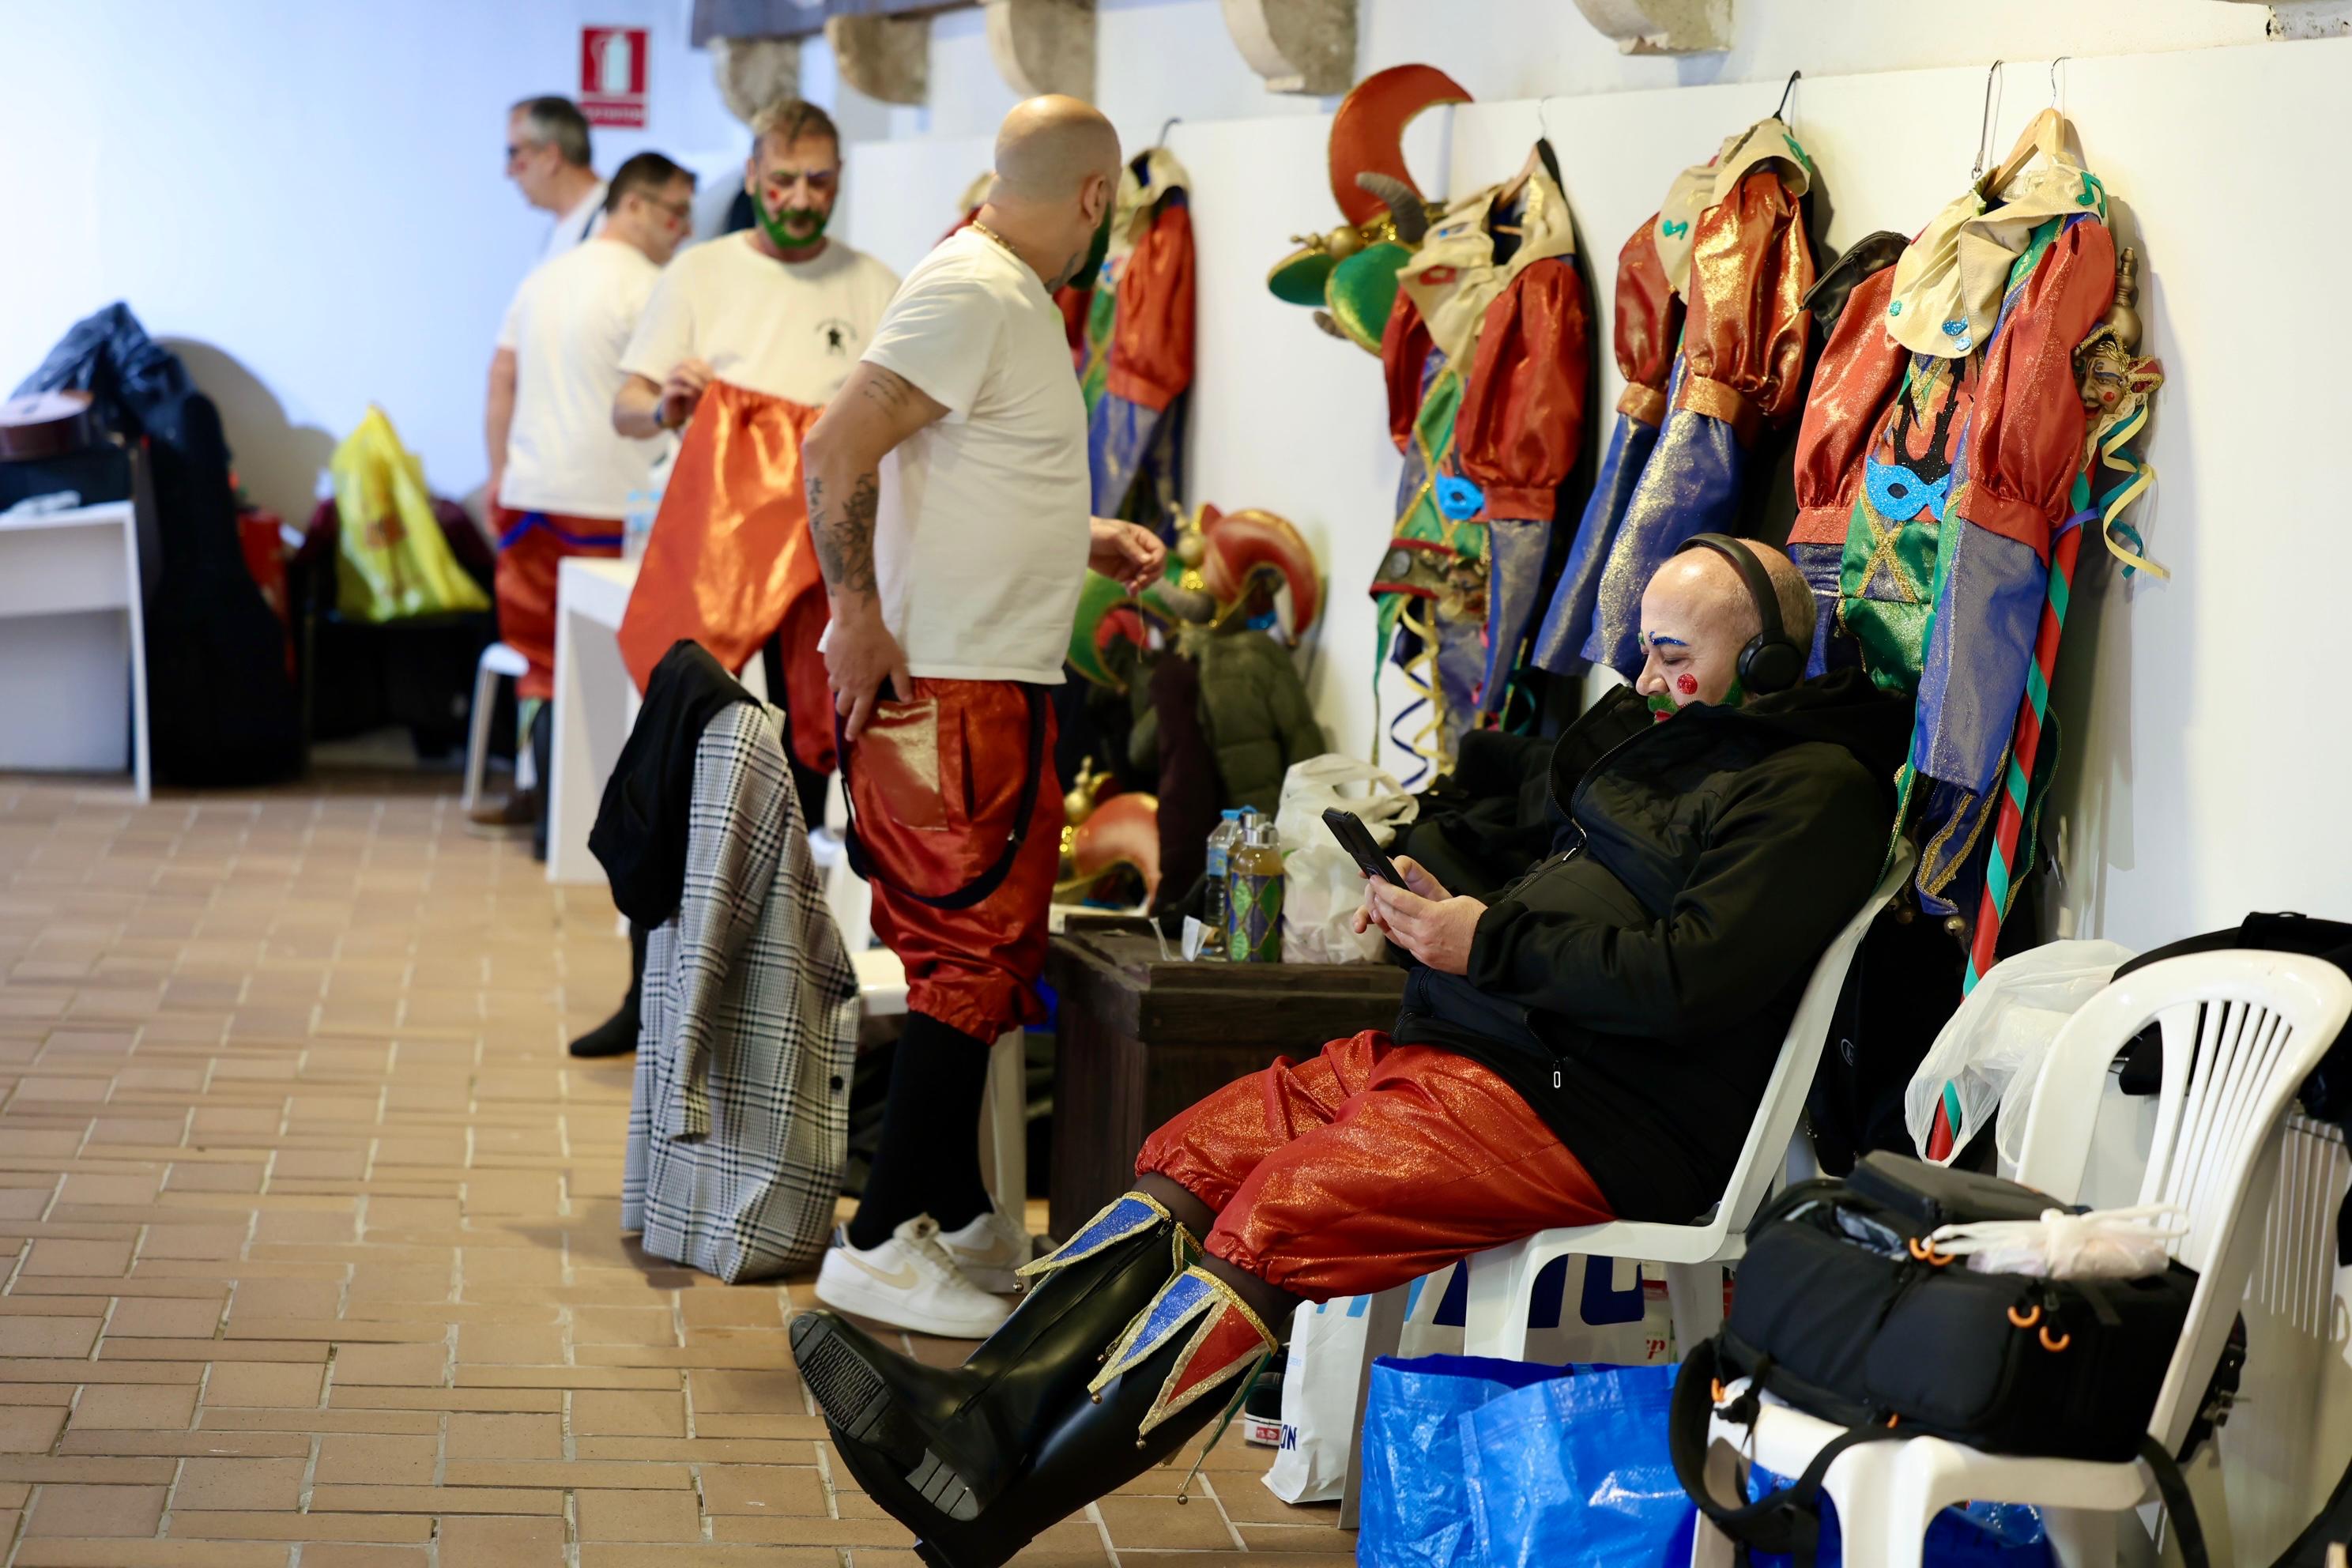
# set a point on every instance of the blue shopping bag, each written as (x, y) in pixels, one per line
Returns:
(1575, 1473)
(1415, 1511)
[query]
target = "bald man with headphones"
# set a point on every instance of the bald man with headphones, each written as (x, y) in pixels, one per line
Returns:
(1587, 1041)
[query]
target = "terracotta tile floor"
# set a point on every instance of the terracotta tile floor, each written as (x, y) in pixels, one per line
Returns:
(312, 1227)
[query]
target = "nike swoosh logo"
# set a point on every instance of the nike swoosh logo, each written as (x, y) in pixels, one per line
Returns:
(998, 1253)
(897, 1280)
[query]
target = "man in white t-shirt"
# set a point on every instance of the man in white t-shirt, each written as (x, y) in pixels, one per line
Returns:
(547, 158)
(948, 494)
(768, 322)
(560, 477)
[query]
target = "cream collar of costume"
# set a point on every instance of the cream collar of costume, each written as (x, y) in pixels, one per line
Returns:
(1703, 185)
(1454, 277)
(1950, 282)
(1131, 208)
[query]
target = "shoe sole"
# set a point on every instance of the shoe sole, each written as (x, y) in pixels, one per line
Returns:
(938, 1543)
(858, 1403)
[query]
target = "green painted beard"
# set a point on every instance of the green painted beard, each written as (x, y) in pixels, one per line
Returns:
(796, 230)
(1662, 703)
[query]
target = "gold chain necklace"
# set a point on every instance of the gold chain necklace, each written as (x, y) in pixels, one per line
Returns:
(987, 233)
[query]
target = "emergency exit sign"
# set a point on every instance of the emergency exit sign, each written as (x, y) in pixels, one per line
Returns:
(613, 76)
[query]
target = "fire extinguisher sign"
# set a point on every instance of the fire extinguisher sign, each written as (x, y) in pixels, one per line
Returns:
(613, 76)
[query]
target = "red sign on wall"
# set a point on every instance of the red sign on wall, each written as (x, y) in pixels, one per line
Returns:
(613, 76)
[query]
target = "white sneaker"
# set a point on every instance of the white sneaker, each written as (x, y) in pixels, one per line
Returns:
(909, 1282)
(989, 1250)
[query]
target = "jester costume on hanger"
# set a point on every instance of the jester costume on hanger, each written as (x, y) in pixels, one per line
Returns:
(1648, 327)
(1993, 391)
(1731, 237)
(1486, 358)
(1138, 366)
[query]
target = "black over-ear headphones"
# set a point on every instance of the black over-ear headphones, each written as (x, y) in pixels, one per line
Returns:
(1770, 662)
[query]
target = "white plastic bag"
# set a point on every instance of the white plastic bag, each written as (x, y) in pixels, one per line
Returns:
(1321, 891)
(1310, 787)
(1587, 1309)
(1991, 1050)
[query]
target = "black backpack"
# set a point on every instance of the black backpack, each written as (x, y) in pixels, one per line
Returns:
(1844, 1309)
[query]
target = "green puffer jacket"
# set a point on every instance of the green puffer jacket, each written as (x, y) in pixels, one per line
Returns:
(1256, 714)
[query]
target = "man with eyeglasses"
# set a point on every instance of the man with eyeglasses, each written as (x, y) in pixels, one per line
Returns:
(560, 477)
(547, 158)
(766, 324)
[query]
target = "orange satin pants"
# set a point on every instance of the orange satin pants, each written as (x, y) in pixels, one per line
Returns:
(730, 562)
(1367, 1165)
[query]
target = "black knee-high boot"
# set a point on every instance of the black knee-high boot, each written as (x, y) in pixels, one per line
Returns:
(617, 1035)
(953, 1437)
(1184, 1360)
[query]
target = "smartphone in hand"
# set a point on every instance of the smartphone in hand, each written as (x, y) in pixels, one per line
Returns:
(1357, 840)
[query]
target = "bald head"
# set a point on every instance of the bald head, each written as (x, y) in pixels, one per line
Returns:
(1056, 172)
(1049, 147)
(1696, 617)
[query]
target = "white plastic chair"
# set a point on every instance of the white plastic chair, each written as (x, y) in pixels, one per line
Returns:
(2242, 1030)
(1503, 1279)
(882, 994)
(498, 661)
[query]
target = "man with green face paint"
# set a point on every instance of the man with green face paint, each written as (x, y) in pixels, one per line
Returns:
(767, 321)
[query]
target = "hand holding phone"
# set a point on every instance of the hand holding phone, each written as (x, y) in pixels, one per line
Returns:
(1357, 840)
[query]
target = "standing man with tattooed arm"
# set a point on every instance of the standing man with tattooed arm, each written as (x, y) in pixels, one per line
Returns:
(948, 494)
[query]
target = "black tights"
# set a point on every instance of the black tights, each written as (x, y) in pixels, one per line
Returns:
(929, 1160)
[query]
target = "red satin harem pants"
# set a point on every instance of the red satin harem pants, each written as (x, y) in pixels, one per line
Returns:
(1371, 1164)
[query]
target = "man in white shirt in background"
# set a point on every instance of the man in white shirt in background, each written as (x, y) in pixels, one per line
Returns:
(949, 495)
(767, 322)
(560, 477)
(547, 158)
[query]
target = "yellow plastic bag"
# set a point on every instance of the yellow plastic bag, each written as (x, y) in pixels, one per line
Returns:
(390, 561)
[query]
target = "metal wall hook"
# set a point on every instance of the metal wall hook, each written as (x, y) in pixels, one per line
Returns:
(2061, 60)
(1165, 126)
(1984, 126)
(1789, 86)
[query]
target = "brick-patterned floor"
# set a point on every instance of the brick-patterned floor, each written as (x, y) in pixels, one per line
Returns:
(312, 1227)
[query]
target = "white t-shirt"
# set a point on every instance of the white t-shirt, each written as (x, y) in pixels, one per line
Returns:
(791, 330)
(982, 535)
(581, 222)
(567, 326)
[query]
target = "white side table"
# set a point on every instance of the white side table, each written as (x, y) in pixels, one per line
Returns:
(596, 704)
(73, 643)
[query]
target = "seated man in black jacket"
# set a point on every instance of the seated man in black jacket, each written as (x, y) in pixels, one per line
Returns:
(1590, 1042)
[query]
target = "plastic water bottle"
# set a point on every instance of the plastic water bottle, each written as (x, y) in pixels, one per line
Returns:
(1253, 908)
(1220, 866)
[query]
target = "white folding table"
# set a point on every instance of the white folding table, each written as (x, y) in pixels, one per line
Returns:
(595, 703)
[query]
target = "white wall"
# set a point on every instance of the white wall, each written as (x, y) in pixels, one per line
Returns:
(315, 195)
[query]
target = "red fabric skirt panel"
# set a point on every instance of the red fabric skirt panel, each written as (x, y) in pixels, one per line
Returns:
(531, 547)
(935, 782)
(1368, 1164)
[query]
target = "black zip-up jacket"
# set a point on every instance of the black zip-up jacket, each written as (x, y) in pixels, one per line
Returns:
(1635, 985)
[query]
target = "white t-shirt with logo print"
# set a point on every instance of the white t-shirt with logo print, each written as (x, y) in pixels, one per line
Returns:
(791, 330)
(981, 529)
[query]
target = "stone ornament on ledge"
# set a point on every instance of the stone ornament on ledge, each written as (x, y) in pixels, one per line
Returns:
(1044, 46)
(1662, 27)
(885, 58)
(755, 72)
(1298, 46)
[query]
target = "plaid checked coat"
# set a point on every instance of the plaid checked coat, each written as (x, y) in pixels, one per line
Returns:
(739, 1123)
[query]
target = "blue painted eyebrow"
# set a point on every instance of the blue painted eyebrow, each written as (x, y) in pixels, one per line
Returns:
(1666, 641)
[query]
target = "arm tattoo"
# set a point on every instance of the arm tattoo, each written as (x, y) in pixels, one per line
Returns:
(844, 534)
(886, 388)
